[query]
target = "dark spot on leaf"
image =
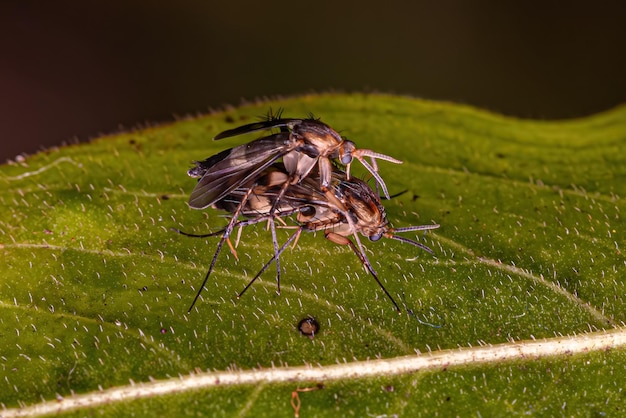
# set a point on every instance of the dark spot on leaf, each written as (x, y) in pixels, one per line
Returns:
(308, 326)
(132, 141)
(229, 119)
(500, 155)
(165, 197)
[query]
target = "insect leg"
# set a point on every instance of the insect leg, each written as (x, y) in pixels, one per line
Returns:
(239, 231)
(272, 224)
(297, 238)
(276, 254)
(325, 169)
(341, 240)
(233, 251)
(275, 257)
(225, 236)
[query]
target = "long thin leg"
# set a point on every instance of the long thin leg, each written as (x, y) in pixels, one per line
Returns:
(272, 213)
(276, 255)
(360, 252)
(225, 235)
(341, 240)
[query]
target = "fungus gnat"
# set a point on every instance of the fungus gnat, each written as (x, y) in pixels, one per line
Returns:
(301, 143)
(295, 172)
(349, 208)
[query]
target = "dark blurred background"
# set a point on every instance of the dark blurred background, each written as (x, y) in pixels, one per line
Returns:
(75, 69)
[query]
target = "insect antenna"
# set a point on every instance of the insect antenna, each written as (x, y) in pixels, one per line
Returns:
(391, 235)
(410, 241)
(373, 154)
(379, 179)
(372, 168)
(416, 228)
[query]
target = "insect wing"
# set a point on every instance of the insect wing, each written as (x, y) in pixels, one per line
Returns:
(202, 167)
(261, 199)
(237, 168)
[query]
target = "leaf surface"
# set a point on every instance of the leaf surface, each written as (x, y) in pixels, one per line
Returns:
(95, 286)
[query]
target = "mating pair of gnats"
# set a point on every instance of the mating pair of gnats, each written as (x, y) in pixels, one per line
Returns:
(301, 172)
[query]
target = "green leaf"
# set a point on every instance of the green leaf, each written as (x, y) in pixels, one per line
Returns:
(513, 315)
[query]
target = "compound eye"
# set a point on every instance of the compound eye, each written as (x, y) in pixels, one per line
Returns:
(307, 211)
(347, 150)
(376, 237)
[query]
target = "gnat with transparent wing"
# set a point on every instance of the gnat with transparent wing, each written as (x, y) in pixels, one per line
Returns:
(302, 144)
(306, 184)
(348, 209)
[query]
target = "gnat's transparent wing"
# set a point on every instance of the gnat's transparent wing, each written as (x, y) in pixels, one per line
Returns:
(235, 168)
